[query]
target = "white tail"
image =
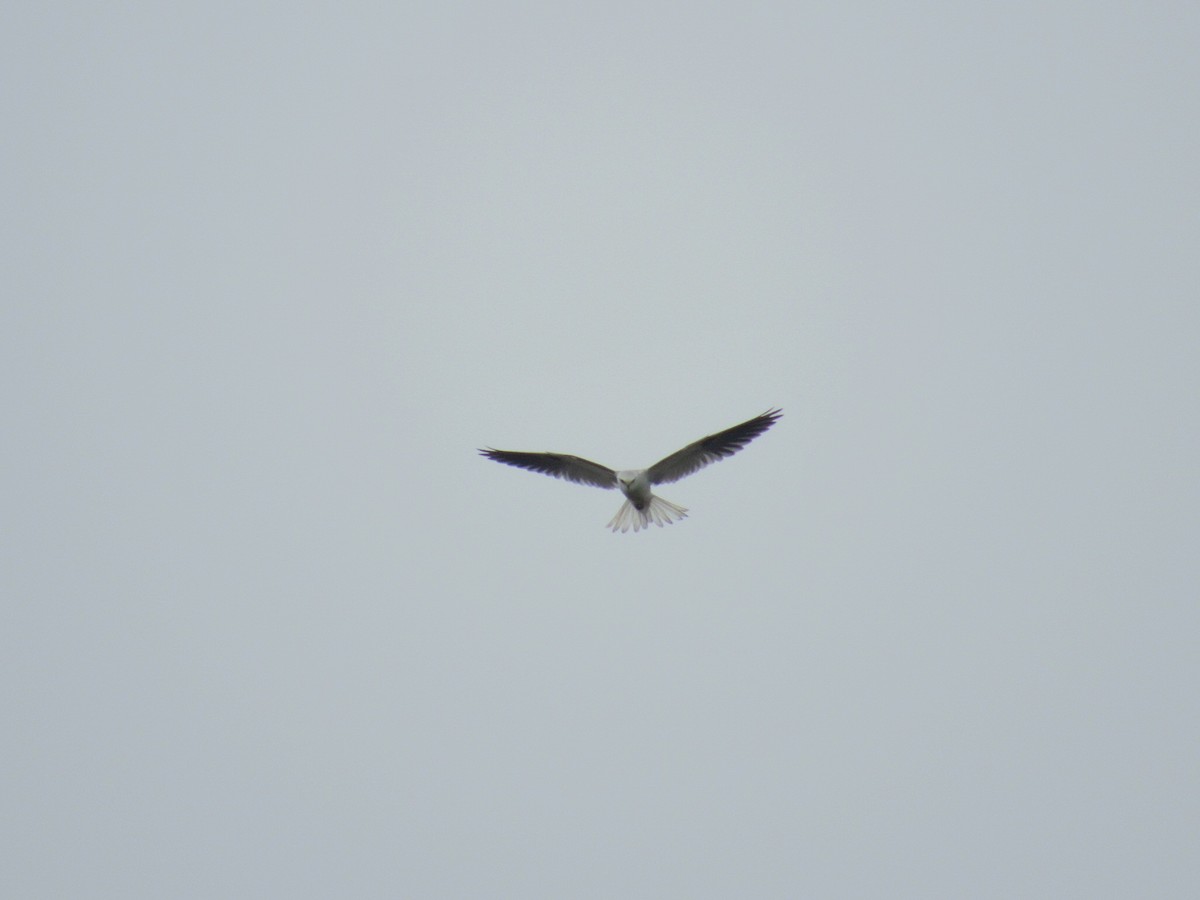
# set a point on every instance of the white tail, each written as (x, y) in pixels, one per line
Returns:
(659, 511)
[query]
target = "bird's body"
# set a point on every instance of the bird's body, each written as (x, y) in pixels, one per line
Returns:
(636, 486)
(642, 506)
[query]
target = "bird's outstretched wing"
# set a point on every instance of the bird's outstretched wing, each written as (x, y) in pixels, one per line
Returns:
(695, 457)
(560, 465)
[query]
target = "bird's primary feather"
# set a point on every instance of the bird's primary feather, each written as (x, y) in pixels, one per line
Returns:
(560, 465)
(697, 455)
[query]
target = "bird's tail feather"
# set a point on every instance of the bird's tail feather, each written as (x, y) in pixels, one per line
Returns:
(658, 511)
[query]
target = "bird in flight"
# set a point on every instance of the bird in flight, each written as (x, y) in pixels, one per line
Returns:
(641, 507)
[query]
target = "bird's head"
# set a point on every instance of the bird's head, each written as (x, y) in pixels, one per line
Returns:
(633, 482)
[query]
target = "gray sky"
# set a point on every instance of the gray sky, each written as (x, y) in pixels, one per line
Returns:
(270, 276)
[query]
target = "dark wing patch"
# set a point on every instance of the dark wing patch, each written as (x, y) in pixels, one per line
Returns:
(696, 456)
(560, 465)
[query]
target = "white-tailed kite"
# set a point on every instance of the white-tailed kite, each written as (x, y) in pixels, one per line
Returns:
(641, 507)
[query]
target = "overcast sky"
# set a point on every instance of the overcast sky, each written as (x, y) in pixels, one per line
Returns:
(271, 274)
